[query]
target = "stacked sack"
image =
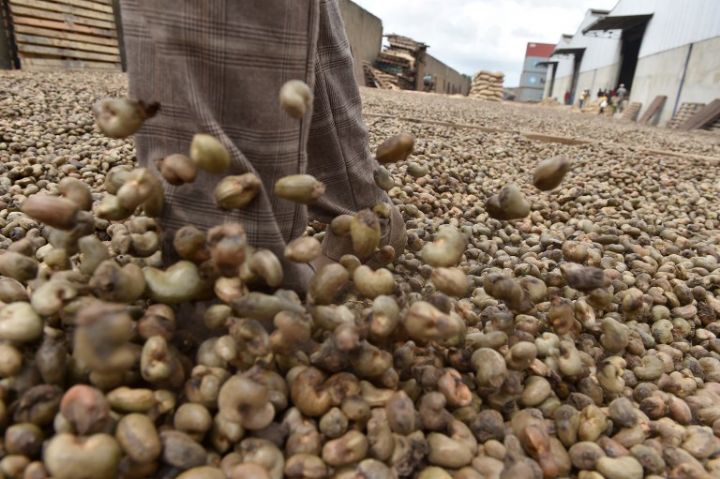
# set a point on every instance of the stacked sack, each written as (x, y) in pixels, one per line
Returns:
(488, 86)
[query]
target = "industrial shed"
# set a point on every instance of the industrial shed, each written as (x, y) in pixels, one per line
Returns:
(559, 70)
(664, 51)
(584, 61)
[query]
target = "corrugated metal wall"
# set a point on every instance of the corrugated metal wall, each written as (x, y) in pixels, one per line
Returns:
(532, 79)
(562, 70)
(674, 22)
(679, 23)
(565, 62)
(679, 33)
(601, 48)
(52, 34)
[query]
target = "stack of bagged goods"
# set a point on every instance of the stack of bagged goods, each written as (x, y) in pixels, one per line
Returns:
(488, 86)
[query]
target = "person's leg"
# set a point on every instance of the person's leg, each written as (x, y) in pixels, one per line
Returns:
(338, 153)
(216, 66)
(338, 147)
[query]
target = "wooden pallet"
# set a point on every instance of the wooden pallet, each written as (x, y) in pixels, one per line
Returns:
(65, 34)
(684, 113)
(714, 126)
(630, 113)
(653, 110)
(378, 79)
(704, 117)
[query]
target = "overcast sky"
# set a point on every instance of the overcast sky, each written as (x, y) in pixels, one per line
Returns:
(472, 35)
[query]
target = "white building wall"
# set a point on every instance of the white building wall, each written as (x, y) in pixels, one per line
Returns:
(563, 72)
(659, 74)
(601, 52)
(674, 22)
(548, 80)
(606, 77)
(601, 48)
(562, 84)
(702, 81)
(565, 65)
(593, 80)
(675, 25)
(585, 82)
(600, 60)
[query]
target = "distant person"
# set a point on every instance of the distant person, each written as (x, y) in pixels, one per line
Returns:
(584, 96)
(603, 101)
(429, 83)
(567, 97)
(600, 93)
(621, 91)
(621, 94)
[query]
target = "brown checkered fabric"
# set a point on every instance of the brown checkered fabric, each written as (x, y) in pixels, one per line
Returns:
(216, 66)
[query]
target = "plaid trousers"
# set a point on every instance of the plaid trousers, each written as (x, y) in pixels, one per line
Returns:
(216, 66)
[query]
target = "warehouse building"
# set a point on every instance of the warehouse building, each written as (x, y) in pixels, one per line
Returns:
(664, 51)
(533, 77)
(557, 80)
(583, 61)
(365, 34)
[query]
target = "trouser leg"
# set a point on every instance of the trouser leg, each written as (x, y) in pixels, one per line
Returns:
(338, 152)
(216, 66)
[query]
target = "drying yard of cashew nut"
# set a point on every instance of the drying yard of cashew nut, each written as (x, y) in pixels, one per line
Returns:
(554, 314)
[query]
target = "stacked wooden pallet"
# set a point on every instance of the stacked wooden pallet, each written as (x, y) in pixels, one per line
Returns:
(74, 34)
(379, 79)
(683, 114)
(706, 117)
(630, 113)
(488, 86)
(650, 116)
(397, 61)
(400, 61)
(714, 126)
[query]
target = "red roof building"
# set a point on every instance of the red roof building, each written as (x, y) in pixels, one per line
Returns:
(532, 80)
(542, 50)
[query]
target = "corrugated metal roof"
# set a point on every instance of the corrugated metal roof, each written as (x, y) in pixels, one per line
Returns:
(568, 51)
(598, 51)
(617, 22)
(674, 22)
